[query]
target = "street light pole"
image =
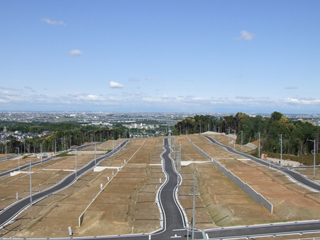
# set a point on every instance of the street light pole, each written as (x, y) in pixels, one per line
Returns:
(234, 141)
(241, 141)
(30, 173)
(75, 163)
(6, 148)
(259, 146)
(41, 151)
(314, 157)
(18, 159)
(194, 205)
(95, 155)
(281, 150)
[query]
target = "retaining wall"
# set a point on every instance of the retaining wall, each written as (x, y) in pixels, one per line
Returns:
(257, 197)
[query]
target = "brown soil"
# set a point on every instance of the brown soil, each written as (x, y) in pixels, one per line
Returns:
(291, 201)
(127, 204)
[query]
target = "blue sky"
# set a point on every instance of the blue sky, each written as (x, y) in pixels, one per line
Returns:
(160, 56)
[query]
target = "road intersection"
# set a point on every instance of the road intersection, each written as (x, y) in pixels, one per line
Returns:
(174, 223)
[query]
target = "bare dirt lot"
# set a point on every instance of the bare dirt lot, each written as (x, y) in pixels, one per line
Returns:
(291, 201)
(127, 203)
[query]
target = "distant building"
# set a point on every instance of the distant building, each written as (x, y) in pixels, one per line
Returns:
(5, 129)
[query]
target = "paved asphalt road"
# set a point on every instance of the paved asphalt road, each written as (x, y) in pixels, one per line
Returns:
(16, 208)
(39, 162)
(294, 175)
(7, 158)
(174, 221)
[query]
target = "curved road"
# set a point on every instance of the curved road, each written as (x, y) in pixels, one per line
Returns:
(16, 208)
(174, 222)
(294, 175)
(38, 162)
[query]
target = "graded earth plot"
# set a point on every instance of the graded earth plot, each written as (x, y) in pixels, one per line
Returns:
(14, 162)
(221, 202)
(43, 176)
(126, 205)
(131, 197)
(290, 203)
(59, 168)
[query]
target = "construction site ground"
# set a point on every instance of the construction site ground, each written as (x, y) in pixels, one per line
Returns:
(127, 204)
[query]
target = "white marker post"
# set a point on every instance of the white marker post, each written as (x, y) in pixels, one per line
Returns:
(70, 231)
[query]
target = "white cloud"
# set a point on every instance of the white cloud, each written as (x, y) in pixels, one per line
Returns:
(47, 20)
(12, 89)
(75, 52)
(302, 101)
(290, 88)
(115, 85)
(8, 93)
(148, 78)
(245, 97)
(91, 97)
(29, 88)
(132, 79)
(246, 36)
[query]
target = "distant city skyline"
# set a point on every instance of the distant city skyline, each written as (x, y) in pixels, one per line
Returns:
(160, 56)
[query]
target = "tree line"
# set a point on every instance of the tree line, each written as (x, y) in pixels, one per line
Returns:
(296, 135)
(63, 137)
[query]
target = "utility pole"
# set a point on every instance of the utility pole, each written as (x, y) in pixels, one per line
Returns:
(200, 127)
(55, 146)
